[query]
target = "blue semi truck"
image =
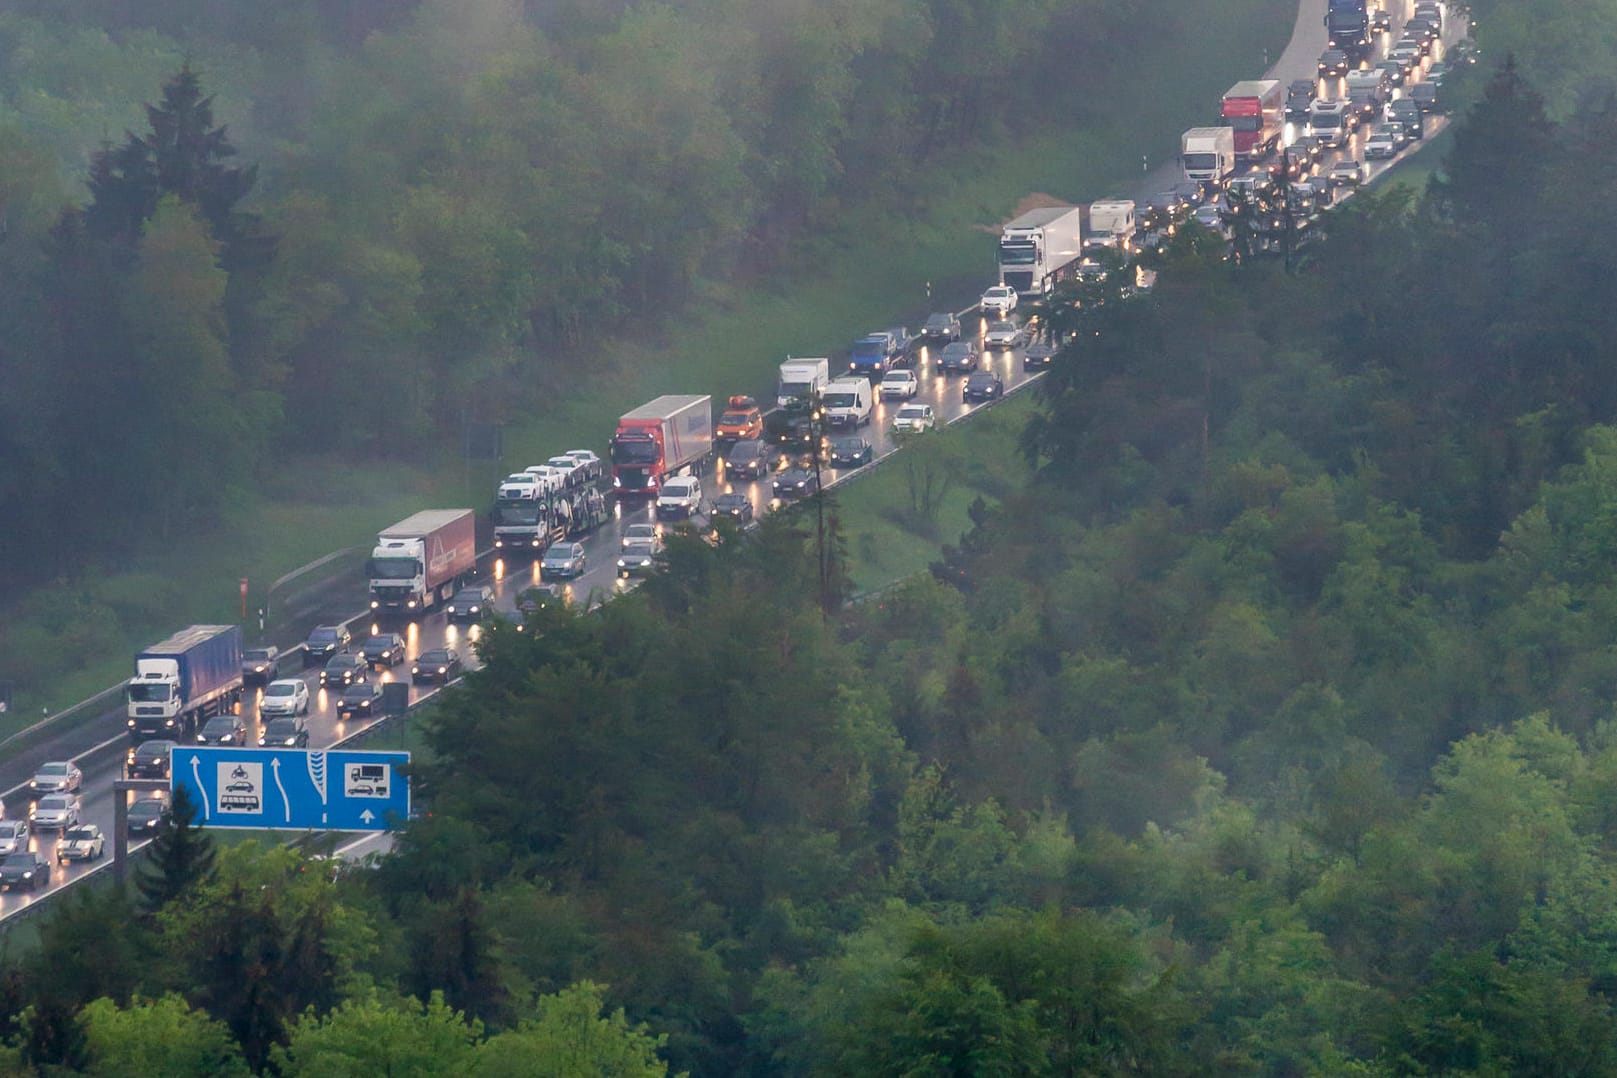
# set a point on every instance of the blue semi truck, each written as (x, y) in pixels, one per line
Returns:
(184, 681)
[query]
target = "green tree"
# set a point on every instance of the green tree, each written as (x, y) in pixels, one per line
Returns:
(400, 1038)
(572, 1038)
(163, 1036)
(181, 856)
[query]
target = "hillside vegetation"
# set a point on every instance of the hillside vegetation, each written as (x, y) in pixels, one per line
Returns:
(1266, 730)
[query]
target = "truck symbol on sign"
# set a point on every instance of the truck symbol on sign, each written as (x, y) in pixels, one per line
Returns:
(367, 780)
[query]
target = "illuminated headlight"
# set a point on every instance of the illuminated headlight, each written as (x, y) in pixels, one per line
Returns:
(130, 724)
(474, 610)
(375, 604)
(290, 741)
(443, 670)
(410, 604)
(499, 542)
(27, 875)
(415, 669)
(616, 482)
(168, 722)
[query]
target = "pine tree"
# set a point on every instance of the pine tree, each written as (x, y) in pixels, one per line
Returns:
(181, 855)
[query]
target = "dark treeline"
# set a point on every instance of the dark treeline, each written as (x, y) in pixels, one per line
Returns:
(444, 197)
(1268, 731)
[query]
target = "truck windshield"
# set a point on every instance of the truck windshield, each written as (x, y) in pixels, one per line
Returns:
(1200, 161)
(148, 694)
(839, 400)
(794, 389)
(1246, 123)
(1326, 121)
(1018, 254)
(868, 348)
(392, 568)
(518, 514)
(634, 451)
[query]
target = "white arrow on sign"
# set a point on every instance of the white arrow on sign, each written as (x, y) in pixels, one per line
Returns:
(366, 816)
(196, 773)
(275, 769)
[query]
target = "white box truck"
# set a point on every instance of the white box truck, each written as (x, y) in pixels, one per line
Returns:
(1040, 247)
(1207, 155)
(801, 379)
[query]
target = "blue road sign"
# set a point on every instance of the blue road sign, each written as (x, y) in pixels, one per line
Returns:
(294, 789)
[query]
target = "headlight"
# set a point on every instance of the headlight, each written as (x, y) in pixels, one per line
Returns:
(27, 875)
(415, 669)
(130, 724)
(410, 604)
(443, 670)
(374, 604)
(474, 610)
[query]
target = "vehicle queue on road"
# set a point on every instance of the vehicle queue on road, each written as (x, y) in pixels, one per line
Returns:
(603, 549)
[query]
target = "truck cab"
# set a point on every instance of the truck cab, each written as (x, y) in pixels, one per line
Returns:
(876, 353)
(1111, 225)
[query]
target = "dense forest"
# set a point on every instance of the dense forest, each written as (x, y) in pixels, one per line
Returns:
(354, 227)
(1268, 730)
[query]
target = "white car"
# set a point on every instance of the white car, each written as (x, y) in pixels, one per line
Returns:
(57, 812)
(899, 385)
(13, 836)
(55, 778)
(588, 463)
(680, 496)
(640, 533)
(568, 467)
(520, 487)
(1381, 144)
(83, 842)
(289, 696)
(915, 418)
(999, 300)
(550, 479)
(1003, 334)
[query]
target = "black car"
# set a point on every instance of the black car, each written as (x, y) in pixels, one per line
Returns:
(1396, 73)
(1424, 94)
(24, 871)
(1333, 64)
(441, 665)
(144, 817)
(149, 760)
(796, 483)
(791, 430)
(749, 458)
(289, 732)
(260, 666)
(1408, 113)
(1381, 21)
(223, 730)
(637, 558)
(961, 356)
(1299, 95)
(851, 451)
(344, 670)
(1192, 192)
(361, 699)
(471, 603)
(941, 326)
(325, 641)
(982, 386)
(383, 649)
(1038, 355)
(738, 507)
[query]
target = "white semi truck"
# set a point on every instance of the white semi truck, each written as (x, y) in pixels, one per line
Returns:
(1207, 155)
(1040, 247)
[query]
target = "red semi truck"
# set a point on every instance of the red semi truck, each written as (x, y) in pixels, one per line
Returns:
(421, 560)
(660, 439)
(1255, 108)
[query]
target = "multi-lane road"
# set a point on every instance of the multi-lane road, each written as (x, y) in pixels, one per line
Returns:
(508, 579)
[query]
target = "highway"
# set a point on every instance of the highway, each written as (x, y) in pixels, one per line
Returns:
(343, 599)
(599, 581)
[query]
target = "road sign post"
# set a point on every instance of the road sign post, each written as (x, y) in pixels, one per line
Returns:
(295, 789)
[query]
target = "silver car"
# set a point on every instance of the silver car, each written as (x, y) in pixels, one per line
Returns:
(56, 812)
(13, 836)
(1003, 334)
(57, 777)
